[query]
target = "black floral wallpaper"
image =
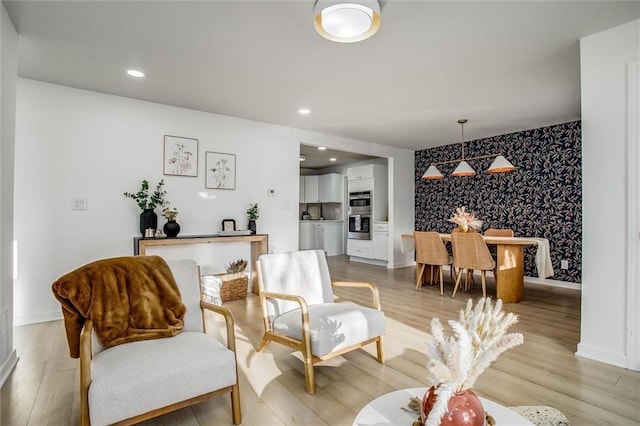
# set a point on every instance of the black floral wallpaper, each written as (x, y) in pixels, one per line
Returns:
(541, 198)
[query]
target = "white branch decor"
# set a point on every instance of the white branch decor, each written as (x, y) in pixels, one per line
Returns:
(456, 361)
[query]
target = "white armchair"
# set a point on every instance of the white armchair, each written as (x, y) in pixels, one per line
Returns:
(296, 295)
(132, 382)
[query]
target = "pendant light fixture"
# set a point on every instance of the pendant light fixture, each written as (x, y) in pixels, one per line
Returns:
(347, 21)
(463, 169)
(499, 165)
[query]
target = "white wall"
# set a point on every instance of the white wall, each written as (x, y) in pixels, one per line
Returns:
(72, 143)
(8, 78)
(605, 284)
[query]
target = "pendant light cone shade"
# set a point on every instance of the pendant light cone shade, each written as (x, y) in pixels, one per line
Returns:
(463, 169)
(347, 22)
(501, 165)
(432, 173)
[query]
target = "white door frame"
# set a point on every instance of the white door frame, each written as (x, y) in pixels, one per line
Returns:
(633, 218)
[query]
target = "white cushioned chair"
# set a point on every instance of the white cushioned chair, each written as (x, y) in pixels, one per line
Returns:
(133, 382)
(296, 295)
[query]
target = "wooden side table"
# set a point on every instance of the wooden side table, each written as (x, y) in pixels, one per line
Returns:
(259, 245)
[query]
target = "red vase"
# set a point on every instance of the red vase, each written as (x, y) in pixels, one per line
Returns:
(464, 408)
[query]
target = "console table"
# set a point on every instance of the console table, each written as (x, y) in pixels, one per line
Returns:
(259, 245)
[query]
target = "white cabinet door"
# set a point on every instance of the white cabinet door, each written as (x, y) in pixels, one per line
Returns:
(307, 237)
(318, 230)
(332, 238)
(311, 189)
(361, 185)
(381, 245)
(381, 241)
(360, 248)
(331, 188)
(361, 172)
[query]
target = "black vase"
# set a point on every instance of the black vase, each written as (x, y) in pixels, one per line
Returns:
(252, 226)
(171, 229)
(148, 219)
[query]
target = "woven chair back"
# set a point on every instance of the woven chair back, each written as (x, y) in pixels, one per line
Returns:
(430, 249)
(471, 252)
(494, 232)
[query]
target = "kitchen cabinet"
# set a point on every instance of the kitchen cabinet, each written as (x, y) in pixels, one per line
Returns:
(311, 189)
(374, 178)
(321, 235)
(331, 188)
(360, 248)
(321, 188)
(360, 172)
(381, 241)
(307, 236)
(329, 237)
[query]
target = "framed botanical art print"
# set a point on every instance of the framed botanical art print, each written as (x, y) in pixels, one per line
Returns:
(220, 170)
(180, 156)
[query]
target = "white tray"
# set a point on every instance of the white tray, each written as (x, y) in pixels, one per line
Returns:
(231, 233)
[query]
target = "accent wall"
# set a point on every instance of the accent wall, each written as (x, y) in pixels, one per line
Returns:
(541, 198)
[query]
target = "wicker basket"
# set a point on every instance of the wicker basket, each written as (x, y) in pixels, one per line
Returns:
(234, 286)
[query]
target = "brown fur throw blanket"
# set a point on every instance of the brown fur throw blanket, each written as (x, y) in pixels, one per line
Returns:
(127, 298)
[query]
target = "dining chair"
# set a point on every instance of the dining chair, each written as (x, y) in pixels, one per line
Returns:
(430, 250)
(495, 232)
(470, 252)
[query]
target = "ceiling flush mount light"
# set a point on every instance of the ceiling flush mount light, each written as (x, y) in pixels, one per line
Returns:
(135, 73)
(303, 158)
(499, 165)
(304, 111)
(347, 21)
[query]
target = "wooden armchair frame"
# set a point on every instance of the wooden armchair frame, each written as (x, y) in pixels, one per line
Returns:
(304, 344)
(85, 374)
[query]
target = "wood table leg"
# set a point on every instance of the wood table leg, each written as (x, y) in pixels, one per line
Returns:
(510, 273)
(257, 248)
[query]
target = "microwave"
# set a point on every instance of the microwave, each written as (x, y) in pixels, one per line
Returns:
(360, 203)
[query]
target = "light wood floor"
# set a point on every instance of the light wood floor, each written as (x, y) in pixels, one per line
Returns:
(43, 389)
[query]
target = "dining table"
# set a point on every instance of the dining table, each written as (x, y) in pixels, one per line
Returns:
(509, 277)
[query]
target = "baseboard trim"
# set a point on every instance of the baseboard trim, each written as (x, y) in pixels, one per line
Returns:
(552, 283)
(8, 366)
(597, 354)
(19, 320)
(375, 262)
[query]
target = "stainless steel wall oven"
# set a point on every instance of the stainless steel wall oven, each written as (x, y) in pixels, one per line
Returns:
(360, 215)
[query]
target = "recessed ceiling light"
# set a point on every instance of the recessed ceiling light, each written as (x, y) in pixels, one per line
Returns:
(332, 159)
(322, 148)
(135, 73)
(304, 111)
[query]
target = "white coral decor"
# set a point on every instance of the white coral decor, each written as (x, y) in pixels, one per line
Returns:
(457, 361)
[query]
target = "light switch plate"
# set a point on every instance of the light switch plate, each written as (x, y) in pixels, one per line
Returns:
(79, 204)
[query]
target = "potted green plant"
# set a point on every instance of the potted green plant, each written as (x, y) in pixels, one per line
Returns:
(147, 203)
(253, 212)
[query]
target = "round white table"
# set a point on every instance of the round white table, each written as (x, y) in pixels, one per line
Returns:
(386, 410)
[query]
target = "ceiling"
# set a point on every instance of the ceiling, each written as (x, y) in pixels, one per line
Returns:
(505, 65)
(320, 158)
